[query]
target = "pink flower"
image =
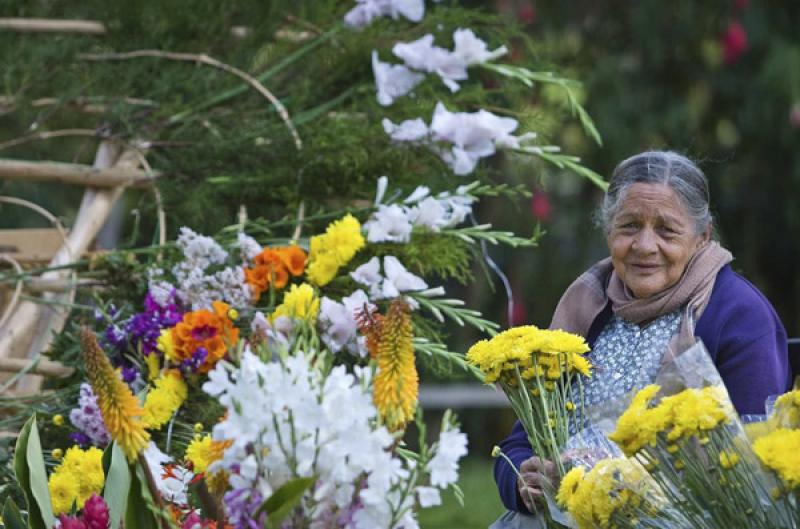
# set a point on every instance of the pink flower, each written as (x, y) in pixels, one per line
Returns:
(734, 42)
(794, 116)
(71, 522)
(95, 513)
(193, 521)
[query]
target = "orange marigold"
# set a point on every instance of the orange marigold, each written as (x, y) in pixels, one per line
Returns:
(273, 267)
(204, 330)
(294, 258)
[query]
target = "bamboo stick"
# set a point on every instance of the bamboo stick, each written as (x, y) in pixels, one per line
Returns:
(43, 367)
(70, 173)
(32, 327)
(45, 25)
(55, 284)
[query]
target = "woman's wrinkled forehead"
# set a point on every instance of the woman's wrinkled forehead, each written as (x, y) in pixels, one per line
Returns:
(657, 201)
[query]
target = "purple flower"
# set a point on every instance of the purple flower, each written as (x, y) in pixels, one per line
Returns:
(196, 360)
(81, 439)
(87, 419)
(129, 374)
(242, 505)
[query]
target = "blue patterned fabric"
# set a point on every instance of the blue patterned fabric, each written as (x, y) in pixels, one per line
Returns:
(626, 357)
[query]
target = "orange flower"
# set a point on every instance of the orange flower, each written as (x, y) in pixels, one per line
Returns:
(273, 266)
(119, 408)
(294, 258)
(204, 330)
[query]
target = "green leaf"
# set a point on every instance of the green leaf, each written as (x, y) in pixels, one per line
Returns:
(137, 514)
(118, 483)
(284, 500)
(32, 477)
(12, 518)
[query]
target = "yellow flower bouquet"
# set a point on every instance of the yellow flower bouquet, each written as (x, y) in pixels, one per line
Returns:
(616, 492)
(540, 371)
(685, 432)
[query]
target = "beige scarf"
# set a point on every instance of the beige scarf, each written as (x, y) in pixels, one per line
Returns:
(588, 295)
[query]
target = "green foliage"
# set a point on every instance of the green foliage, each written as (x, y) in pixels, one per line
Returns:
(429, 254)
(283, 501)
(117, 485)
(12, 518)
(32, 477)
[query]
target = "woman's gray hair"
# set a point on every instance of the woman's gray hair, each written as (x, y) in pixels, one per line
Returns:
(660, 167)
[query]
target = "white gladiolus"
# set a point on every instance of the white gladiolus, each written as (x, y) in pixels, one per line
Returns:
(367, 10)
(303, 424)
(393, 80)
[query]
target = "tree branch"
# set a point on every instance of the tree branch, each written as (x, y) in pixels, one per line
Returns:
(209, 61)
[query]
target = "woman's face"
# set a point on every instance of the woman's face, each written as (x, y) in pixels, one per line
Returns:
(652, 239)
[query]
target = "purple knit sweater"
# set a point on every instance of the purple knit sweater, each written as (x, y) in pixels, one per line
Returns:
(746, 340)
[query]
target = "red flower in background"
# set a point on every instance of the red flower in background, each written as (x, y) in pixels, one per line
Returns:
(527, 13)
(741, 5)
(541, 207)
(519, 312)
(734, 42)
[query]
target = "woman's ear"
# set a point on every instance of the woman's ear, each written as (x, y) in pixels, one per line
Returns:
(705, 236)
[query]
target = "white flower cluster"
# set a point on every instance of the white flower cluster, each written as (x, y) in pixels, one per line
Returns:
(394, 222)
(367, 10)
(470, 135)
(337, 323)
(422, 55)
(287, 420)
(198, 288)
(248, 247)
(173, 485)
(394, 281)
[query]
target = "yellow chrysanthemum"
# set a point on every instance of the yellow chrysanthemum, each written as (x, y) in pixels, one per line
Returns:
(343, 238)
(203, 451)
(779, 452)
(121, 412)
(334, 249)
(84, 468)
(300, 302)
(640, 423)
(569, 485)
(163, 400)
(396, 382)
(536, 352)
(787, 410)
(696, 411)
(166, 345)
(153, 363)
(63, 491)
(612, 486)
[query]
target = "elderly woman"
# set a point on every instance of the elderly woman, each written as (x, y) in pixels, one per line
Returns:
(665, 283)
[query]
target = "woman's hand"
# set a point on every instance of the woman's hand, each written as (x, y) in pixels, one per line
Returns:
(534, 472)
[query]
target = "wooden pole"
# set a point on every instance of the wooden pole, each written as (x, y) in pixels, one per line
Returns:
(43, 367)
(44, 25)
(71, 173)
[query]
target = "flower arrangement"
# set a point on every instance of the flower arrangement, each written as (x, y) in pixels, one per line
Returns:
(262, 379)
(694, 464)
(541, 372)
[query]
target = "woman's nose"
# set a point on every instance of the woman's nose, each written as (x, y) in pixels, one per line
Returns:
(645, 241)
